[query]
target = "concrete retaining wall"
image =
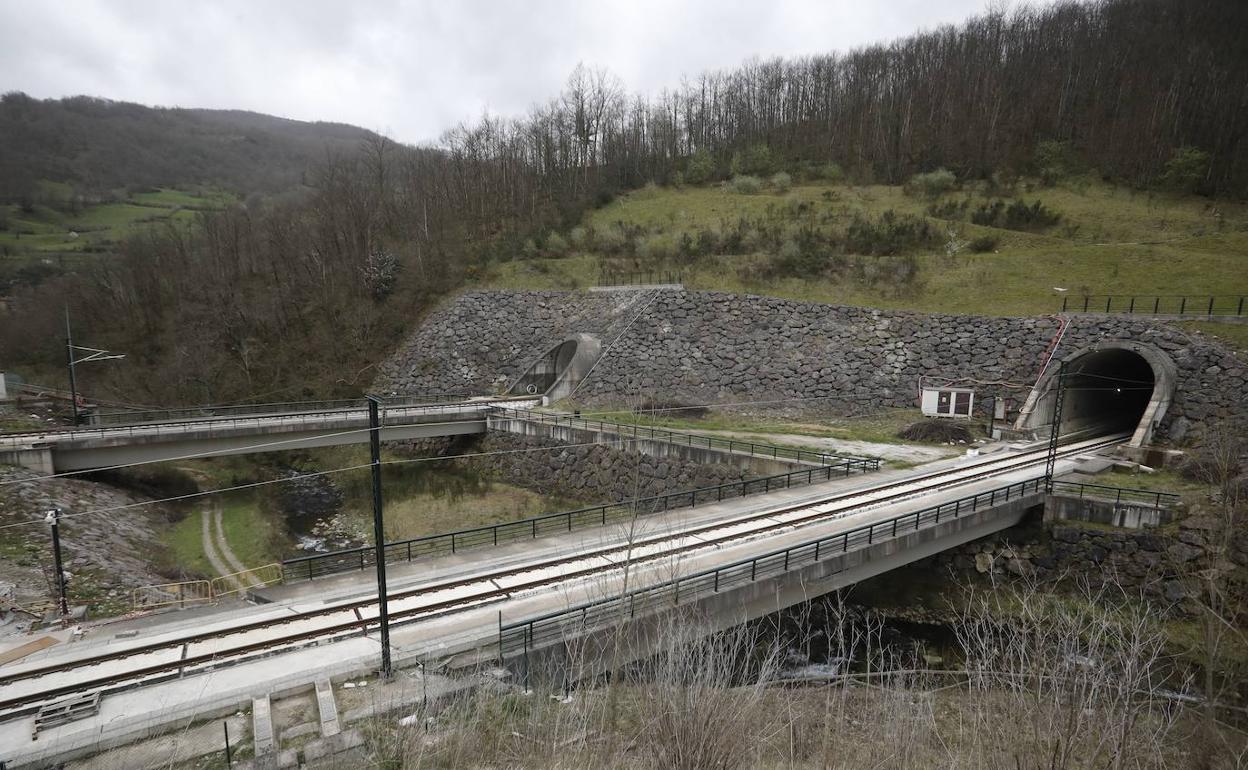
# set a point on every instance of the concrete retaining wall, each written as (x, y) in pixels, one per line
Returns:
(1107, 512)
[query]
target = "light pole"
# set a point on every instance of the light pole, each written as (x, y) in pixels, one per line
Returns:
(71, 351)
(53, 518)
(379, 534)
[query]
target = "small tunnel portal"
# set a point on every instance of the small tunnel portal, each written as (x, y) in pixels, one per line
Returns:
(1112, 388)
(558, 371)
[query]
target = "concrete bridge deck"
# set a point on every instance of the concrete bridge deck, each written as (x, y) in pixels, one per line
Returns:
(90, 447)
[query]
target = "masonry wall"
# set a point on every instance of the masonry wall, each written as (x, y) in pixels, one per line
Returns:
(594, 473)
(1161, 563)
(707, 347)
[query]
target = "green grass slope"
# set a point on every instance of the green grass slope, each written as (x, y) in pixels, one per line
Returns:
(1109, 240)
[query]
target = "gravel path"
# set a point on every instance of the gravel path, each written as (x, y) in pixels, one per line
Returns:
(907, 453)
(223, 544)
(210, 548)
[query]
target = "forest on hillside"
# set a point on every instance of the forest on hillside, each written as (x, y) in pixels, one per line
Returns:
(315, 291)
(96, 146)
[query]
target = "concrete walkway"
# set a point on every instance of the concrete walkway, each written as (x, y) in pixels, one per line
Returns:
(905, 453)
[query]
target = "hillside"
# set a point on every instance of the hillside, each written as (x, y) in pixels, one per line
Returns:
(97, 146)
(829, 242)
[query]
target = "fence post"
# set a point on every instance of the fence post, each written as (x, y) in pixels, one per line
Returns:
(1108, 301)
(1085, 303)
(1156, 304)
(1183, 305)
(1211, 305)
(1240, 309)
(1131, 307)
(1064, 298)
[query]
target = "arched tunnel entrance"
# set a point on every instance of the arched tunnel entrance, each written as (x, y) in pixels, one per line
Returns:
(1118, 387)
(559, 370)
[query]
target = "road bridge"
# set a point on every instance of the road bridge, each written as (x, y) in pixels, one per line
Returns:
(729, 562)
(177, 434)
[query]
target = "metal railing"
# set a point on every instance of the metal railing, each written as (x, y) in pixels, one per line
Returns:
(356, 413)
(520, 636)
(216, 411)
(240, 582)
(639, 278)
(447, 543)
(1164, 304)
(1117, 494)
(188, 592)
(769, 451)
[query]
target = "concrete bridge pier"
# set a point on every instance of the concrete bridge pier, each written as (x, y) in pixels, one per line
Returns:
(37, 458)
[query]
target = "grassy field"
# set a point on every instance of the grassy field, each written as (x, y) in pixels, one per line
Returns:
(1234, 336)
(43, 231)
(1109, 240)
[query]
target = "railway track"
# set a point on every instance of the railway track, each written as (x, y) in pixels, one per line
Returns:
(197, 652)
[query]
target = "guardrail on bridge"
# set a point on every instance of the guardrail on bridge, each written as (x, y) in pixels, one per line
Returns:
(769, 451)
(319, 565)
(1117, 494)
(520, 636)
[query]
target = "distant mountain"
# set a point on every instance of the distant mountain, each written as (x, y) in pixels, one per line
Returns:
(98, 145)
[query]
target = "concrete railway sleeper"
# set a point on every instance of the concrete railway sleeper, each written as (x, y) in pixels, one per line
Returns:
(181, 662)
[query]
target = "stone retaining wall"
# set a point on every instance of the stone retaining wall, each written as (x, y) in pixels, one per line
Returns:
(594, 473)
(707, 347)
(1162, 563)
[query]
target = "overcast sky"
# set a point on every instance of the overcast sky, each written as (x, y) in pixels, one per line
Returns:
(412, 69)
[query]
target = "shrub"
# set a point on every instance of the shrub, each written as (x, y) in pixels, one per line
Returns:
(603, 197)
(610, 240)
(1054, 160)
(890, 234)
(580, 238)
(983, 244)
(754, 160)
(949, 209)
(701, 167)
(529, 249)
(1185, 170)
(832, 172)
(1016, 216)
(556, 246)
(656, 247)
(781, 182)
(932, 184)
(746, 184)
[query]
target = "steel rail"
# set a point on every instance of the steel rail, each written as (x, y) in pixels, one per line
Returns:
(1013, 462)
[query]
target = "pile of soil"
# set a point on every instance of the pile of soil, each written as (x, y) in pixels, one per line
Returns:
(940, 431)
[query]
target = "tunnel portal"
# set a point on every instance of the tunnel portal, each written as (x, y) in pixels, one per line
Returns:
(1110, 388)
(559, 370)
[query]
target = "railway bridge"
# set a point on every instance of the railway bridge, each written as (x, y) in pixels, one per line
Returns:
(525, 603)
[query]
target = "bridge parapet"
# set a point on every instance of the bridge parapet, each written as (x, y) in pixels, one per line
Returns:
(733, 593)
